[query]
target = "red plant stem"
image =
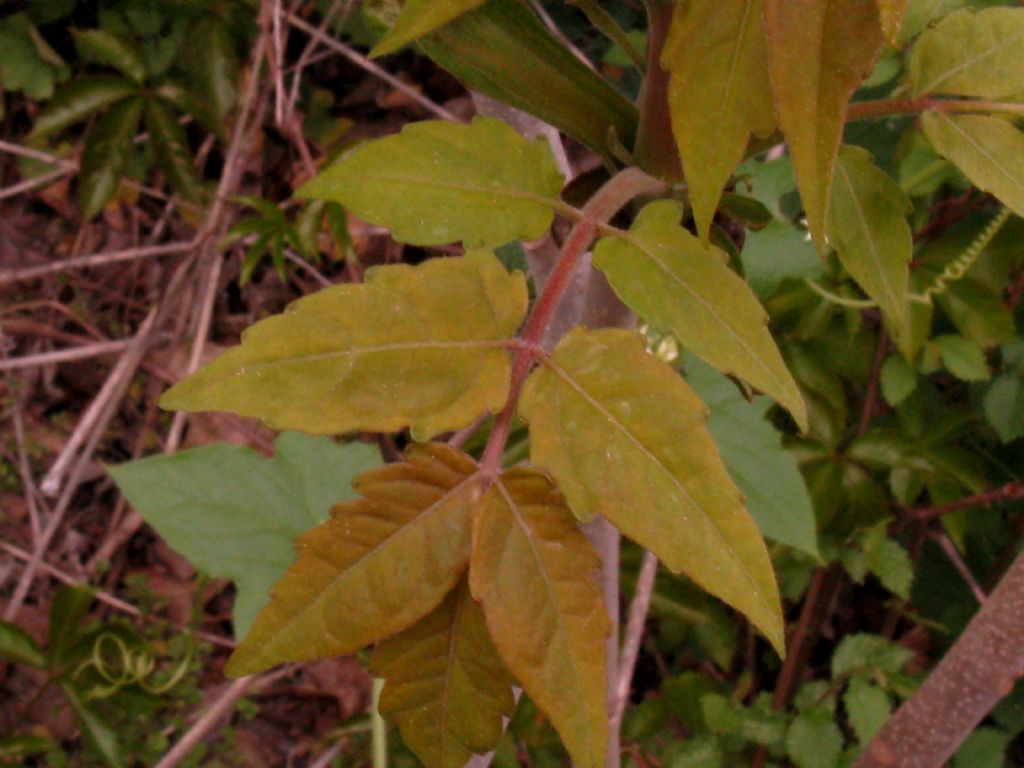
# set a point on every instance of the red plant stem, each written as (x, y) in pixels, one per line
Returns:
(865, 110)
(619, 190)
(1012, 491)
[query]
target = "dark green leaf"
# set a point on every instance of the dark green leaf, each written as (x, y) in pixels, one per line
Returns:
(80, 100)
(107, 149)
(17, 646)
(503, 50)
(211, 62)
(28, 64)
(419, 18)
(101, 46)
(172, 150)
(97, 732)
(67, 612)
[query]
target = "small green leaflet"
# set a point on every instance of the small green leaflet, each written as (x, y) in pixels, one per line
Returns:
(535, 574)
(419, 18)
(438, 182)
(28, 64)
(869, 230)
(106, 153)
(447, 687)
(251, 508)
(415, 346)
(819, 51)
(381, 563)
(624, 436)
(669, 278)
(962, 357)
(719, 94)
(764, 471)
(867, 708)
(814, 740)
(972, 53)
(78, 101)
(989, 150)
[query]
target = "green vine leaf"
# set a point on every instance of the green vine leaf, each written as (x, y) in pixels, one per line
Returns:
(447, 687)
(416, 346)
(438, 182)
(819, 52)
(972, 54)
(869, 230)
(419, 18)
(106, 153)
(534, 572)
(989, 151)
(378, 565)
(247, 504)
(669, 278)
(625, 437)
(719, 94)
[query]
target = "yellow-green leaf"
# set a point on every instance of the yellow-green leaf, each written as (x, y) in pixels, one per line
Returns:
(419, 18)
(669, 278)
(535, 574)
(989, 151)
(625, 437)
(972, 54)
(719, 94)
(869, 230)
(447, 687)
(438, 182)
(377, 566)
(819, 52)
(891, 13)
(419, 346)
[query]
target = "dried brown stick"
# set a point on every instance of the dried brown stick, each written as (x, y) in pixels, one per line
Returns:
(64, 355)
(638, 609)
(979, 670)
(95, 260)
(101, 410)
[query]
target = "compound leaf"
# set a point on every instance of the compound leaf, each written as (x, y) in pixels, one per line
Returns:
(437, 182)
(106, 153)
(79, 100)
(172, 150)
(719, 94)
(535, 574)
(626, 437)
(989, 151)
(819, 52)
(669, 278)
(972, 54)
(419, 346)
(447, 687)
(869, 230)
(378, 565)
(248, 505)
(419, 18)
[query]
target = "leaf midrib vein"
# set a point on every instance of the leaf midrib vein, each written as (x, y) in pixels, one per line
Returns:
(966, 64)
(869, 236)
(981, 150)
(396, 347)
(665, 269)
